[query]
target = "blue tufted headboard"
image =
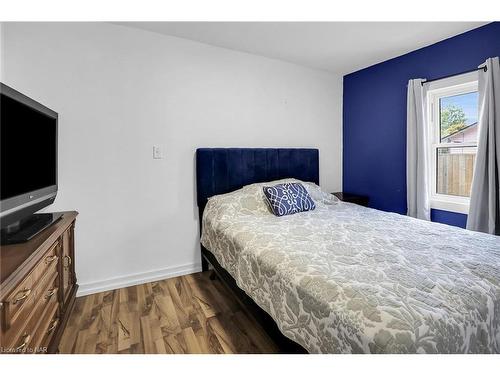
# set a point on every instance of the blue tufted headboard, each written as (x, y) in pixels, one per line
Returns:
(222, 170)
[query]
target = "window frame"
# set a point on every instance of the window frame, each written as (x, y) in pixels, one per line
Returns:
(457, 85)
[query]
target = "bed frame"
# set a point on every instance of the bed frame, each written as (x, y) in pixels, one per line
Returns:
(222, 170)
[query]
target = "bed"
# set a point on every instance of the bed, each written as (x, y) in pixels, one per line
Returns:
(345, 278)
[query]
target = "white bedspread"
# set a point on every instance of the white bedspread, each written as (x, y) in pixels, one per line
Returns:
(349, 279)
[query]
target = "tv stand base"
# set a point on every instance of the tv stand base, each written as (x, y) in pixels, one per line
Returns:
(26, 229)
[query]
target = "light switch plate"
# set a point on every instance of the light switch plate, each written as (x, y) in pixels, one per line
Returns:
(157, 152)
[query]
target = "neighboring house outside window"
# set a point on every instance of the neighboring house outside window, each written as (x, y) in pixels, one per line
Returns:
(453, 132)
(467, 134)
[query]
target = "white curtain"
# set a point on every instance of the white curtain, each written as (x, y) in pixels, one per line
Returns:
(484, 210)
(416, 151)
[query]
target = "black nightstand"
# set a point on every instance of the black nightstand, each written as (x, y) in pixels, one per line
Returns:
(352, 198)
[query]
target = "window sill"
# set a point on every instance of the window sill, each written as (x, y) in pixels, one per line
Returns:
(444, 205)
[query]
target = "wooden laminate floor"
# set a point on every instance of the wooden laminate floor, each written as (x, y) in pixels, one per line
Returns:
(186, 314)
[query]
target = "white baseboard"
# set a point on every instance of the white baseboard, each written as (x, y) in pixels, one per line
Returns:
(136, 279)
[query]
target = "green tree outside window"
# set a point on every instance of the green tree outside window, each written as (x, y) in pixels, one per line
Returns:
(452, 120)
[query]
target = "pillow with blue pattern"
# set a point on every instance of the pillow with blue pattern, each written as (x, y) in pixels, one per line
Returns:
(288, 198)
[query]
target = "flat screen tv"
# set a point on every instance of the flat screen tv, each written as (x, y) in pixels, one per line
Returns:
(28, 165)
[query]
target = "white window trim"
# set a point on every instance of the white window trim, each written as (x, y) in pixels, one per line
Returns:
(456, 85)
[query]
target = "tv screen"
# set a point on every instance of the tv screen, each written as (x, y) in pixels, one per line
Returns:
(28, 148)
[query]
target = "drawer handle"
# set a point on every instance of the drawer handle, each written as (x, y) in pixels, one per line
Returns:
(53, 325)
(26, 340)
(50, 293)
(25, 294)
(68, 259)
(50, 259)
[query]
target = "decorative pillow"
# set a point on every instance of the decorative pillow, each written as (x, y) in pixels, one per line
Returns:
(288, 198)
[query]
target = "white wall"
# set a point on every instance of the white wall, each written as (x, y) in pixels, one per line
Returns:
(119, 91)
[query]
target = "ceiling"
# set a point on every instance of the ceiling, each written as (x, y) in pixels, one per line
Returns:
(338, 47)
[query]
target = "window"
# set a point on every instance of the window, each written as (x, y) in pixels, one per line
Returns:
(453, 130)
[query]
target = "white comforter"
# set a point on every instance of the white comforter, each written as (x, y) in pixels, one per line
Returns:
(349, 279)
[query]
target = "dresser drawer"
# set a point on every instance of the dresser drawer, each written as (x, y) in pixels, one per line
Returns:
(46, 295)
(49, 261)
(36, 336)
(47, 286)
(45, 330)
(20, 302)
(18, 339)
(21, 344)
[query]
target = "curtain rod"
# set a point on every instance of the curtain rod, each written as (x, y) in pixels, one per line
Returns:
(484, 68)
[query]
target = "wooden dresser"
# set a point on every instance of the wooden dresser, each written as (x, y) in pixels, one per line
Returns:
(37, 289)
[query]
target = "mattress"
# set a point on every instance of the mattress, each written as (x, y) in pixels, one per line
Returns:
(349, 279)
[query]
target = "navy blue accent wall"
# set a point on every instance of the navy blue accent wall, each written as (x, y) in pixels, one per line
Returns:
(374, 116)
(451, 218)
